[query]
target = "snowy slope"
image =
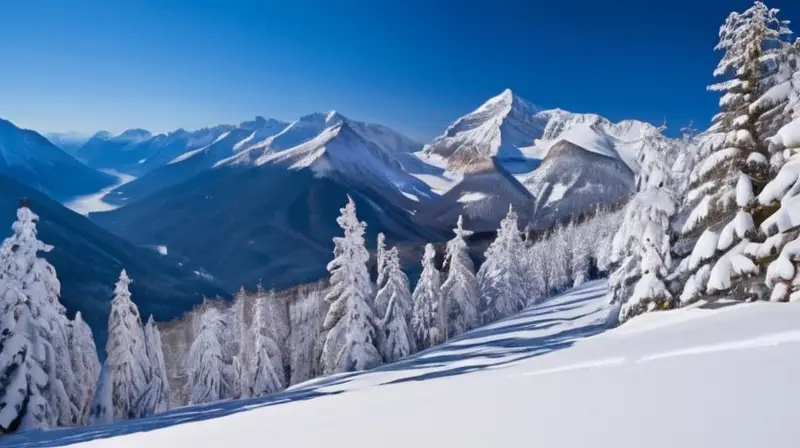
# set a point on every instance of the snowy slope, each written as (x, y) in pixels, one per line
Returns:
(33, 160)
(550, 376)
(193, 162)
(513, 129)
(572, 180)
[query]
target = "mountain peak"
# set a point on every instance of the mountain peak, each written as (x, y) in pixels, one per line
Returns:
(135, 134)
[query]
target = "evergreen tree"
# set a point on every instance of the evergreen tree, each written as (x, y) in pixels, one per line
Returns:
(500, 277)
(722, 217)
(642, 243)
(393, 306)
(86, 366)
(380, 256)
(782, 197)
(37, 375)
(155, 399)
(265, 369)
(350, 342)
(127, 364)
(426, 320)
(102, 410)
(205, 366)
(460, 289)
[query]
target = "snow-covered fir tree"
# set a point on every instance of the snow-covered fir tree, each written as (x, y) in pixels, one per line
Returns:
(86, 366)
(156, 396)
(426, 320)
(500, 277)
(380, 257)
(265, 371)
(460, 288)
(304, 343)
(350, 341)
(782, 197)
(393, 306)
(205, 366)
(722, 215)
(37, 375)
(241, 345)
(127, 365)
(102, 409)
(642, 243)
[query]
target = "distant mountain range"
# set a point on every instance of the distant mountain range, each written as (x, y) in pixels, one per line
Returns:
(28, 157)
(89, 259)
(258, 201)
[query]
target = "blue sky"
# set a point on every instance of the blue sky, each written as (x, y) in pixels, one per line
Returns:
(414, 65)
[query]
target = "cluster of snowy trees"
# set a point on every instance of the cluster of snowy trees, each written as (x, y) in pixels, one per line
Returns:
(50, 374)
(720, 217)
(133, 381)
(261, 342)
(48, 363)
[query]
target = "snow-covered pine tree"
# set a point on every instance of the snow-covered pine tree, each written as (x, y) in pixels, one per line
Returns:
(460, 288)
(102, 409)
(350, 340)
(156, 397)
(580, 246)
(23, 379)
(735, 160)
(86, 366)
(782, 196)
(380, 256)
(127, 365)
(265, 371)
(241, 345)
(426, 320)
(393, 306)
(642, 243)
(500, 278)
(304, 343)
(35, 345)
(536, 274)
(205, 366)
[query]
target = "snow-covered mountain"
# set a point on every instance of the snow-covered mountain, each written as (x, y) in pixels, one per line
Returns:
(274, 217)
(68, 141)
(572, 179)
(513, 129)
(342, 152)
(482, 196)
(498, 128)
(193, 162)
(137, 151)
(30, 158)
(310, 126)
(88, 260)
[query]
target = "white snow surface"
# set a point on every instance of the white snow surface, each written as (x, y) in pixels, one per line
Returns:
(94, 202)
(789, 135)
(549, 376)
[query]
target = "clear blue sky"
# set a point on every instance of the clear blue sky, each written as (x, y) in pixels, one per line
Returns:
(415, 65)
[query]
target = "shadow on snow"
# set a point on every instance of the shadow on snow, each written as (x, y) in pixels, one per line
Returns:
(492, 346)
